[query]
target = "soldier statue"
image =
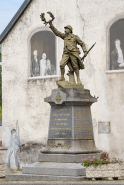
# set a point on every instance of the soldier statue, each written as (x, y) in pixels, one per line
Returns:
(71, 52)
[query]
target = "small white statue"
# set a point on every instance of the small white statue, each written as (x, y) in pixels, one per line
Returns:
(11, 156)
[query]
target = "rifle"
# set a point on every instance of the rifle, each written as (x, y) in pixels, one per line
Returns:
(88, 51)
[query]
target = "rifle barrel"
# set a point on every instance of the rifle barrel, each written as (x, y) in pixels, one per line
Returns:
(91, 47)
(88, 51)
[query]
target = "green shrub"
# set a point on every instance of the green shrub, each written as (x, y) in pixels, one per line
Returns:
(104, 159)
(95, 162)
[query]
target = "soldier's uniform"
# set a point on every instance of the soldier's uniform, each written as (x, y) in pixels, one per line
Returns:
(71, 51)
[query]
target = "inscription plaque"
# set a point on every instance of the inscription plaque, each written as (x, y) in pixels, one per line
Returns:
(60, 122)
(82, 123)
(104, 127)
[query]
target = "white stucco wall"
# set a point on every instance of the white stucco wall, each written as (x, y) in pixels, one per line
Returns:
(23, 99)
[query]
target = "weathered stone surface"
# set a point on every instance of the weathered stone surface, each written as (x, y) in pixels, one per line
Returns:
(122, 173)
(90, 168)
(3, 170)
(97, 174)
(66, 84)
(104, 167)
(57, 169)
(104, 173)
(68, 158)
(122, 166)
(115, 166)
(106, 170)
(98, 168)
(70, 146)
(28, 153)
(117, 173)
(110, 166)
(71, 96)
(111, 173)
(89, 174)
(31, 177)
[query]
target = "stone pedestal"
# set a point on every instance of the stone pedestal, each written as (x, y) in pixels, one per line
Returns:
(70, 138)
(70, 128)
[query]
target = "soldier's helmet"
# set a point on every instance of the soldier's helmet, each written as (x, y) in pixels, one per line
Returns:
(69, 27)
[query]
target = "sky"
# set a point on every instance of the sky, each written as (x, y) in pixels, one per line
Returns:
(8, 8)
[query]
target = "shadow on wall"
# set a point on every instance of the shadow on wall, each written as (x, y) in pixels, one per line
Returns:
(28, 153)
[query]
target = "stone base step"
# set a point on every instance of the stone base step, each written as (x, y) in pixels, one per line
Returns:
(70, 146)
(31, 177)
(57, 169)
(65, 158)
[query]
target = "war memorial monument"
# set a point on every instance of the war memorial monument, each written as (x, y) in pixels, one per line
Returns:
(70, 136)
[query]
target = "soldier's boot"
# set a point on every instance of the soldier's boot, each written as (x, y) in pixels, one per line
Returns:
(79, 81)
(78, 78)
(62, 74)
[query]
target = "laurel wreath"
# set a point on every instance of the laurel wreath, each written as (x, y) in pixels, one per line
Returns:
(42, 16)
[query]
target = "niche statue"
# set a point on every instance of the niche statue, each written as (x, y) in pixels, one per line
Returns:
(71, 53)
